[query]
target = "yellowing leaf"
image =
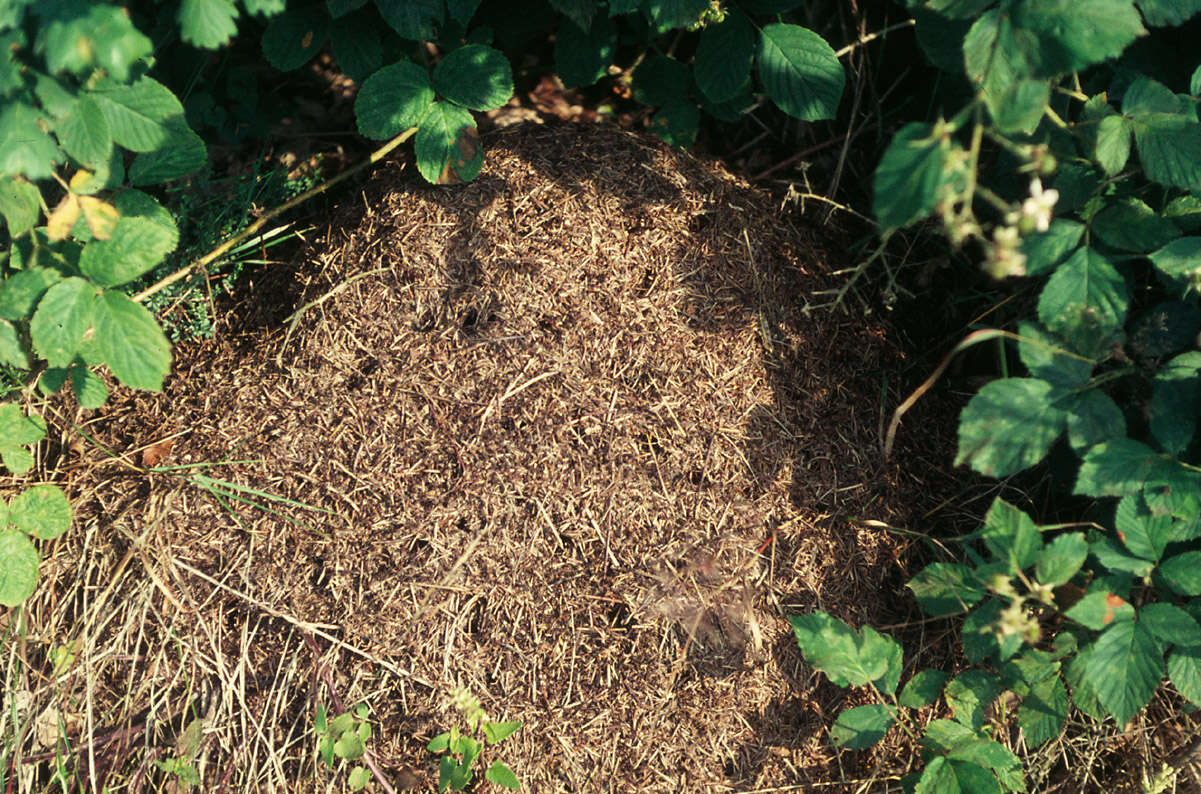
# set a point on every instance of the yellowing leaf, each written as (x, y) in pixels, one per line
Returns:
(59, 224)
(101, 216)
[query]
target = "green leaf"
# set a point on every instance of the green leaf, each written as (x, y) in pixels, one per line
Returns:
(1175, 398)
(670, 14)
(84, 133)
(499, 731)
(295, 36)
(18, 568)
(969, 693)
(475, 77)
(25, 148)
(358, 778)
(136, 246)
(943, 588)
(1184, 671)
(800, 72)
(582, 58)
(1010, 425)
(1169, 13)
(1049, 358)
(1130, 225)
(20, 292)
(946, 776)
(1115, 558)
(1084, 696)
(959, 743)
(447, 145)
(142, 116)
(1011, 535)
(1093, 418)
(847, 657)
(724, 55)
(676, 122)
(660, 80)
(1173, 489)
(89, 389)
(1115, 468)
(462, 11)
(910, 176)
(1084, 301)
(348, 746)
(1144, 534)
(1180, 261)
(1072, 36)
(207, 24)
(340, 8)
(412, 19)
(1182, 573)
(1185, 211)
(11, 42)
(860, 727)
(439, 743)
(1169, 148)
(978, 633)
(18, 429)
(1099, 610)
(357, 46)
(62, 318)
(17, 460)
(393, 99)
(131, 342)
(1044, 711)
(182, 153)
(1060, 559)
(1170, 624)
(1113, 144)
(42, 511)
(102, 35)
(1145, 96)
(12, 350)
(502, 776)
(923, 689)
(1125, 668)
(20, 205)
(1045, 250)
(578, 11)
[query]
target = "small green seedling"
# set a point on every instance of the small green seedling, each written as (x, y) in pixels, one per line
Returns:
(463, 750)
(344, 737)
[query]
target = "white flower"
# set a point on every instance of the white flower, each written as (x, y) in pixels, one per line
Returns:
(1038, 207)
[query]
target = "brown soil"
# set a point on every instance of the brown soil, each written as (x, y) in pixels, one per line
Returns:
(570, 438)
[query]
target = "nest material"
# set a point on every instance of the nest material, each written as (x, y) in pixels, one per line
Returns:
(581, 448)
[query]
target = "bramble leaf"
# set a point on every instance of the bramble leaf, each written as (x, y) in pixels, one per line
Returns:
(860, 727)
(207, 24)
(131, 342)
(1170, 624)
(1011, 535)
(18, 567)
(1182, 573)
(583, 57)
(923, 689)
(415, 20)
(1060, 559)
(969, 693)
(141, 116)
(1130, 225)
(1045, 250)
(356, 44)
(660, 80)
(1184, 671)
(12, 349)
(1115, 468)
(909, 176)
(943, 588)
(1175, 400)
(800, 72)
(947, 776)
(1125, 667)
(136, 246)
(62, 318)
(1099, 610)
(20, 205)
(1084, 301)
(724, 55)
(501, 775)
(25, 148)
(1010, 425)
(1093, 418)
(475, 77)
(295, 36)
(1044, 711)
(42, 511)
(393, 99)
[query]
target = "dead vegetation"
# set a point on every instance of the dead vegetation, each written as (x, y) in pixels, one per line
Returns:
(566, 436)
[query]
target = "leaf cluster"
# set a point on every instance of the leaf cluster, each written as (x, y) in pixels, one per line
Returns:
(344, 738)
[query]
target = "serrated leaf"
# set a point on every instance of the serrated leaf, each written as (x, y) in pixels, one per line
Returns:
(18, 568)
(415, 20)
(1184, 671)
(1011, 535)
(447, 146)
(12, 350)
(20, 292)
(63, 316)
(800, 72)
(1084, 696)
(1169, 149)
(724, 55)
(1061, 559)
(137, 245)
(89, 389)
(1174, 490)
(25, 148)
(295, 36)
(923, 689)
(1010, 425)
(207, 24)
(18, 429)
(1072, 36)
(1180, 261)
(1044, 251)
(1044, 711)
(909, 177)
(1182, 572)
(834, 648)
(583, 57)
(348, 746)
(969, 694)
(1113, 144)
(1115, 468)
(676, 122)
(1130, 225)
(439, 743)
(1147, 96)
(1125, 667)
(182, 153)
(659, 80)
(501, 775)
(670, 14)
(17, 460)
(1093, 418)
(42, 511)
(943, 588)
(20, 205)
(860, 727)
(578, 11)
(978, 635)
(11, 41)
(499, 731)
(1175, 399)
(357, 46)
(98, 34)
(1115, 558)
(1084, 301)
(475, 77)
(1164, 13)
(1144, 534)
(84, 133)
(131, 342)
(1049, 358)
(393, 99)
(142, 115)
(1100, 609)
(1170, 624)
(358, 778)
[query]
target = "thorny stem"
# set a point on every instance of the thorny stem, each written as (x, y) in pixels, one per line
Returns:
(250, 230)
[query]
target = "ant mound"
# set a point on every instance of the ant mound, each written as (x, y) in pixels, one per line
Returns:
(566, 436)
